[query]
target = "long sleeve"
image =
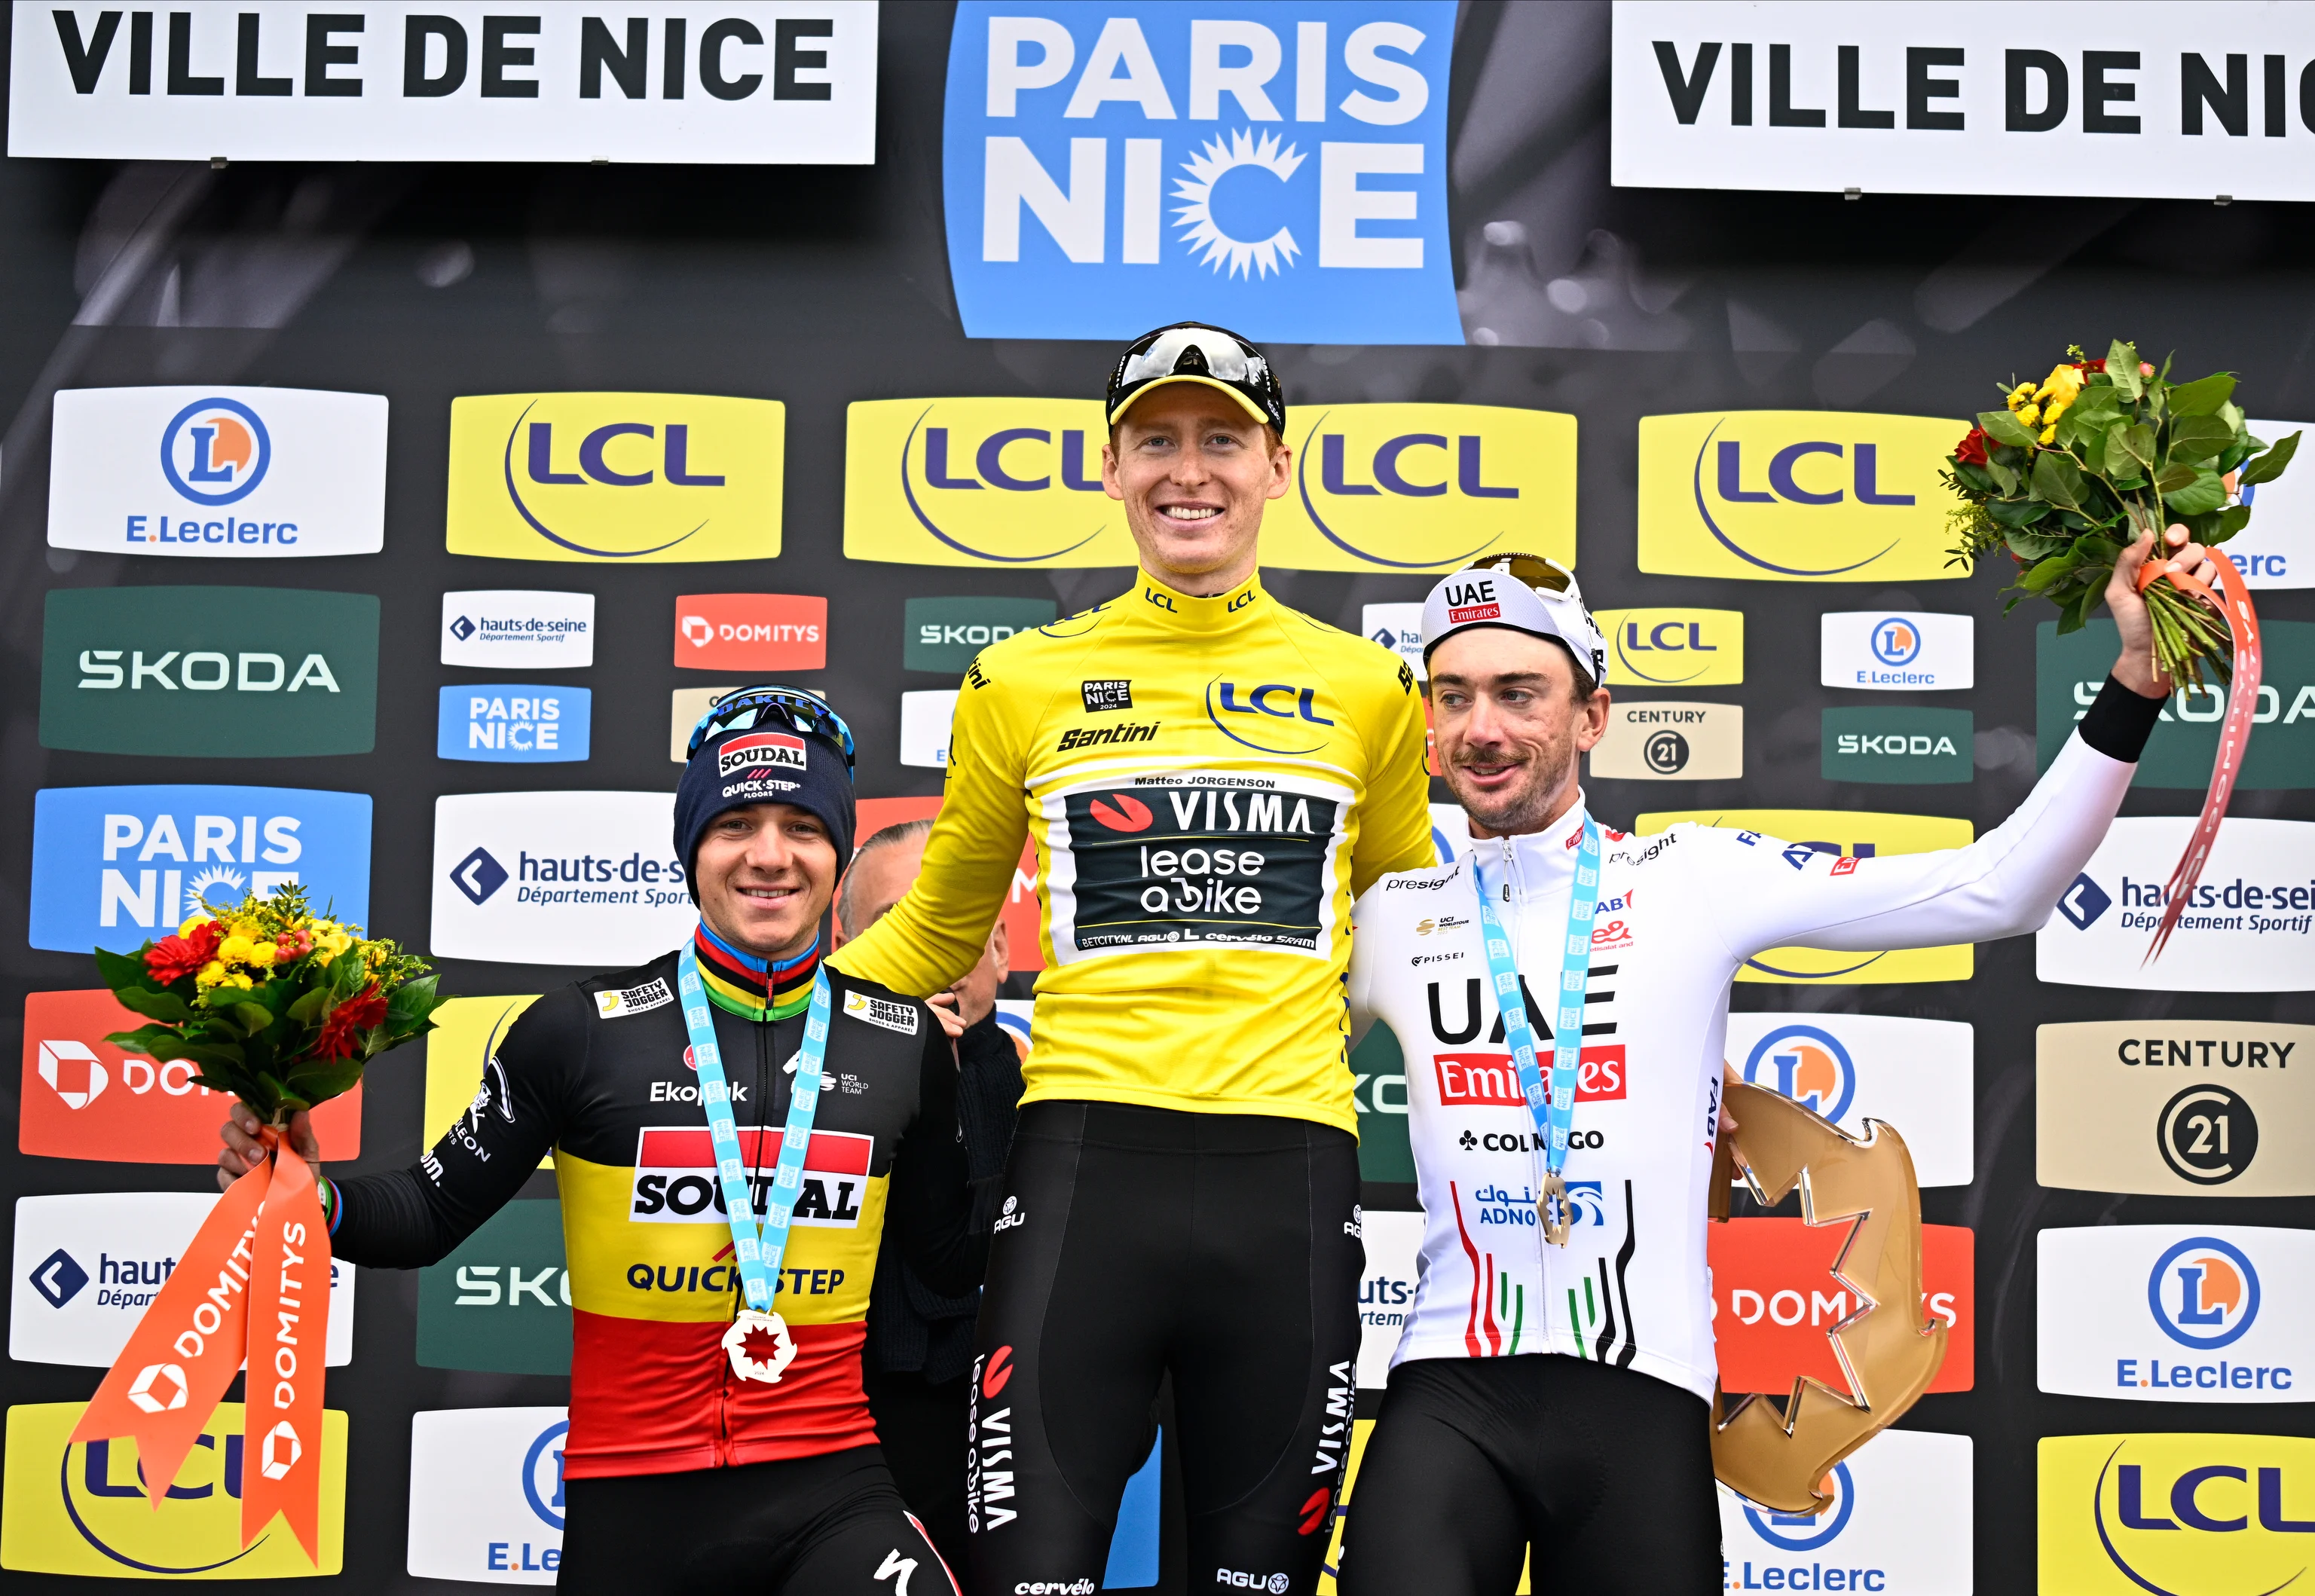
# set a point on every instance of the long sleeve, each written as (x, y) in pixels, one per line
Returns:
(936, 934)
(409, 1217)
(932, 1195)
(1395, 820)
(2004, 884)
(1360, 981)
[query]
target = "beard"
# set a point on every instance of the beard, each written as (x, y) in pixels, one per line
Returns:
(1526, 806)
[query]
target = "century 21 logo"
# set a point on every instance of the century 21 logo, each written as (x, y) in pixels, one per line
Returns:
(1796, 495)
(652, 477)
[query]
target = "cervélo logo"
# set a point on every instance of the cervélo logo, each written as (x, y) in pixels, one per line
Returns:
(657, 478)
(82, 1097)
(751, 632)
(112, 866)
(500, 1302)
(236, 473)
(1775, 1299)
(2124, 1514)
(486, 1494)
(945, 635)
(1673, 648)
(82, 1509)
(1282, 168)
(249, 672)
(1889, 651)
(2247, 929)
(2177, 1313)
(503, 628)
(513, 723)
(1832, 840)
(2204, 1108)
(557, 877)
(1796, 495)
(88, 1263)
(2069, 671)
(1899, 1523)
(1914, 1074)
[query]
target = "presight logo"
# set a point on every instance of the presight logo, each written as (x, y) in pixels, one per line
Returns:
(112, 866)
(1807, 1064)
(81, 1509)
(650, 477)
(1795, 496)
(2181, 1514)
(1673, 648)
(1424, 487)
(1833, 841)
(1091, 159)
(2203, 1293)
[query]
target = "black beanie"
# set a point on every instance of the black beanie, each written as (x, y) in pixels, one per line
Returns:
(767, 763)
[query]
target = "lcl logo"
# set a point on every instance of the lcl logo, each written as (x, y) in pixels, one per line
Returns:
(1864, 476)
(989, 467)
(673, 454)
(1389, 465)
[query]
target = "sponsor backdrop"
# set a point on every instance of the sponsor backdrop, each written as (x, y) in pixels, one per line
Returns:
(330, 487)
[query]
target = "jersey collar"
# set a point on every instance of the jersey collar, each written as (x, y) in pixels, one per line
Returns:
(1160, 606)
(1542, 863)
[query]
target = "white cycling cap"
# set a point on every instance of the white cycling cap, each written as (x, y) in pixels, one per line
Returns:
(1525, 593)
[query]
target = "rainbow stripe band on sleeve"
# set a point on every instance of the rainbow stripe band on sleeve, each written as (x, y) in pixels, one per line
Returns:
(754, 989)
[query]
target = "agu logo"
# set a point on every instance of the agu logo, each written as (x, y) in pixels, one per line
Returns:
(654, 477)
(979, 481)
(81, 1509)
(1773, 495)
(2178, 1516)
(1806, 1064)
(1424, 487)
(2203, 1293)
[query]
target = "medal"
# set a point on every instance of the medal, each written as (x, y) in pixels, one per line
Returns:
(750, 1323)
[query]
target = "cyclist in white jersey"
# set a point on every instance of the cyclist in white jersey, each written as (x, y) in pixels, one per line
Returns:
(1560, 1395)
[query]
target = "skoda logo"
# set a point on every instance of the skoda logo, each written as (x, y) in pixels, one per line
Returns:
(216, 451)
(2203, 1293)
(1666, 752)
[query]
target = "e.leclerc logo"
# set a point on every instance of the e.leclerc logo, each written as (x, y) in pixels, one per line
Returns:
(1277, 168)
(112, 866)
(1851, 1068)
(246, 472)
(208, 671)
(1798, 495)
(651, 477)
(557, 877)
(2247, 929)
(2179, 1514)
(486, 1494)
(1899, 1524)
(2177, 1313)
(1879, 650)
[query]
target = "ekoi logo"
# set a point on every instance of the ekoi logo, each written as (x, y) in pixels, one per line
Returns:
(2203, 1293)
(216, 451)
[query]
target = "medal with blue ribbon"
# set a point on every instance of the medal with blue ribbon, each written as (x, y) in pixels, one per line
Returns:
(757, 1250)
(1554, 1111)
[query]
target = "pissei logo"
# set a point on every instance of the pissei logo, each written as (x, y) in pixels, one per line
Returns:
(244, 672)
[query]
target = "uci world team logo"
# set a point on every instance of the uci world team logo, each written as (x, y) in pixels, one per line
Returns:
(1807, 1064)
(650, 477)
(1796, 495)
(2204, 1292)
(1277, 168)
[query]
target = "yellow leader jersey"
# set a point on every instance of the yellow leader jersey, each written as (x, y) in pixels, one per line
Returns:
(1209, 782)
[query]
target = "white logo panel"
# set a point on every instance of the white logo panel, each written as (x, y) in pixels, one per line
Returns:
(88, 1263)
(518, 629)
(557, 877)
(486, 1494)
(2247, 930)
(1398, 627)
(1896, 651)
(2177, 1312)
(1915, 1075)
(925, 721)
(1899, 1524)
(2277, 549)
(1394, 1243)
(231, 473)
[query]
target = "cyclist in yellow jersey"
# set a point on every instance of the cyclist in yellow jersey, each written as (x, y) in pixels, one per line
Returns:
(1210, 778)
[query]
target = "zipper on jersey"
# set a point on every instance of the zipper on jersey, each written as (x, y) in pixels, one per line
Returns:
(765, 1079)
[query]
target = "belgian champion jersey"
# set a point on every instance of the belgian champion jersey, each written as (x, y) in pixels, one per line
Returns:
(600, 1072)
(1209, 782)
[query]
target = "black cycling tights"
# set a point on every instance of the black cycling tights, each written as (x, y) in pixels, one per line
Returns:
(826, 1526)
(1221, 1249)
(1607, 1473)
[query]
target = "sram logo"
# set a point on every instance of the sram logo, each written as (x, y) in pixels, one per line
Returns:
(1491, 1080)
(675, 1181)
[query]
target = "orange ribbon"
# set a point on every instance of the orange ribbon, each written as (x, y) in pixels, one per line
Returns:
(2234, 607)
(254, 1285)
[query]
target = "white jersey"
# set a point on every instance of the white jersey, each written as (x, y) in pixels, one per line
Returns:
(1679, 914)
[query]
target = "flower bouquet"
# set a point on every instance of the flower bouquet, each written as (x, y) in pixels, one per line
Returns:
(2073, 470)
(282, 1008)
(2077, 468)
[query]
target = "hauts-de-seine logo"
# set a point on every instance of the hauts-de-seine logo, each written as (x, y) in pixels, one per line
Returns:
(1807, 1064)
(651, 477)
(979, 481)
(1422, 487)
(1773, 495)
(2204, 1292)
(216, 451)
(1279, 168)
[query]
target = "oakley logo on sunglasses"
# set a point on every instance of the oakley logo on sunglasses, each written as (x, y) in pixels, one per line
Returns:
(758, 750)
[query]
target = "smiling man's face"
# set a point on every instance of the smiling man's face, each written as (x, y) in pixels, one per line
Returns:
(1194, 471)
(765, 873)
(1510, 719)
